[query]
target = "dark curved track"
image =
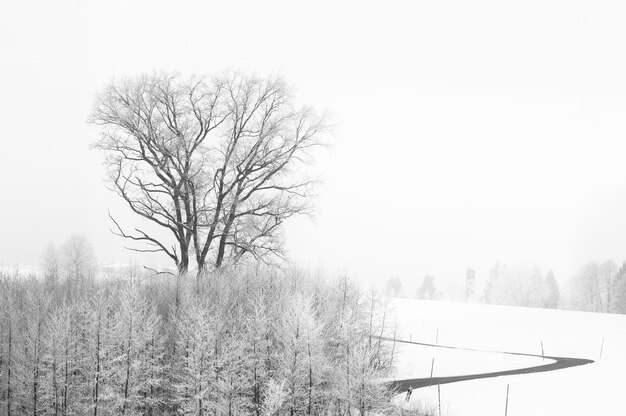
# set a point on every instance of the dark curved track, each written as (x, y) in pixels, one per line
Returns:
(557, 364)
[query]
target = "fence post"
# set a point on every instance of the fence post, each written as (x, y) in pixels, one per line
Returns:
(506, 406)
(432, 366)
(542, 354)
(601, 348)
(439, 397)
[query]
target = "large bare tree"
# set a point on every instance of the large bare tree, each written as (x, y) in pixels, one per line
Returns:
(213, 161)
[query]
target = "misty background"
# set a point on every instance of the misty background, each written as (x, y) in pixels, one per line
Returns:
(465, 133)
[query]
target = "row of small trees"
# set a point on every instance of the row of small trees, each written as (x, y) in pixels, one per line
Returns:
(246, 343)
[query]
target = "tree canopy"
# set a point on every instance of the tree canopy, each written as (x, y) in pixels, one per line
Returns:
(216, 162)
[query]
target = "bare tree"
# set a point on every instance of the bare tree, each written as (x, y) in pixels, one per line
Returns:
(608, 270)
(551, 293)
(592, 288)
(212, 161)
(394, 287)
(51, 264)
(79, 261)
(427, 290)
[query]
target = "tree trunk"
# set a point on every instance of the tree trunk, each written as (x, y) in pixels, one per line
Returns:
(219, 259)
(128, 359)
(9, 398)
(66, 381)
(257, 404)
(294, 369)
(36, 369)
(310, 373)
(217, 376)
(97, 381)
(183, 264)
(230, 397)
(223, 239)
(200, 274)
(55, 387)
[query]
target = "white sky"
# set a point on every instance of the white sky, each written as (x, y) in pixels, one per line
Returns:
(468, 132)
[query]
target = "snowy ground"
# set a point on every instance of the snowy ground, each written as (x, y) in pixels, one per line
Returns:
(585, 390)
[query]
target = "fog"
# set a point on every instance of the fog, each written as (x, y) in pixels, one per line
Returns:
(465, 133)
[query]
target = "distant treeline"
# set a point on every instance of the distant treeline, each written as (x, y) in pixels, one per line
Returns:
(244, 342)
(519, 287)
(596, 287)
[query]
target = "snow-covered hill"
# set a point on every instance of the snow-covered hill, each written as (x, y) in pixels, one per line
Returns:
(590, 389)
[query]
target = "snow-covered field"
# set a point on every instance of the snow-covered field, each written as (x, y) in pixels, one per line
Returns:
(586, 390)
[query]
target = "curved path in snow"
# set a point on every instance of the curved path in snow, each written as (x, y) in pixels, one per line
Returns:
(556, 364)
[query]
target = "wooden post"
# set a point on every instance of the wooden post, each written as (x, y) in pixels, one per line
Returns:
(393, 348)
(432, 366)
(439, 397)
(506, 406)
(601, 348)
